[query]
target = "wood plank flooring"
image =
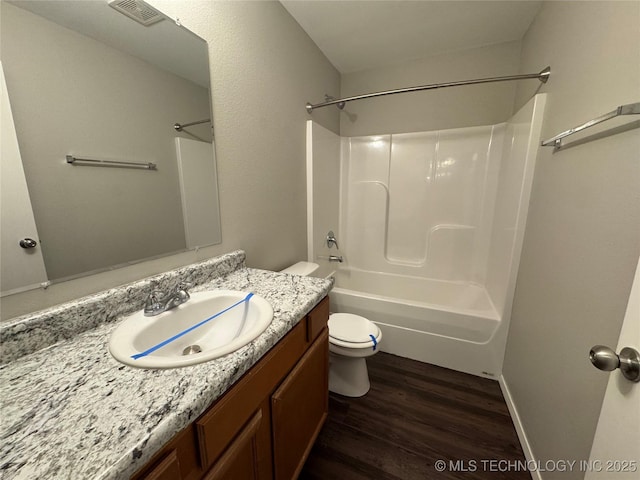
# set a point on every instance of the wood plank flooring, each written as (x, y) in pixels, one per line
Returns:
(414, 415)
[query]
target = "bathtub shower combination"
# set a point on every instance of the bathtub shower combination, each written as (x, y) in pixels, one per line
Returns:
(430, 226)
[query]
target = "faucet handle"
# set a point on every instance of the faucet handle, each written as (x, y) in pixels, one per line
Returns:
(154, 296)
(331, 240)
(183, 286)
(181, 291)
(152, 304)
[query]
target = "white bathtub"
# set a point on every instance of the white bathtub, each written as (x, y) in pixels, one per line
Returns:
(450, 324)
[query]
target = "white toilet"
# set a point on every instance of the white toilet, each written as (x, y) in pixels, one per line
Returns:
(352, 339)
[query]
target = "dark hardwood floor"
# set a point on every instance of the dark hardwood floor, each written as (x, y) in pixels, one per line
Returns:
(414, 415)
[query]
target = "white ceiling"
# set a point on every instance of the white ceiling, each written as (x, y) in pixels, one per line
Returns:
(359, 35)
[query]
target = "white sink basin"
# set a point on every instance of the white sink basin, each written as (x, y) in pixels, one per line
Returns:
(219, 336)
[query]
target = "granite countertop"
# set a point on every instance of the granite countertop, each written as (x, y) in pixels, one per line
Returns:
(70, 410)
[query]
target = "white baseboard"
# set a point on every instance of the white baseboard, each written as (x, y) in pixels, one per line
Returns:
(522, 436)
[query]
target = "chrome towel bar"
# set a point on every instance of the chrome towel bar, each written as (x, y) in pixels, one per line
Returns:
(109, 163)
(629, 109)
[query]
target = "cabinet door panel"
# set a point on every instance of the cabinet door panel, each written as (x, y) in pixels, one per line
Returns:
(167, 469)
(240, 459)
(177, 460)
(299, 408)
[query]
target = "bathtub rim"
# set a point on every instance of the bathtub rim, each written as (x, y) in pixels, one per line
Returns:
(348, 296)
(491, 314)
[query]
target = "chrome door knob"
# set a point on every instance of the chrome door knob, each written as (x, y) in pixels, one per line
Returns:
(28, 243)
(606, 359)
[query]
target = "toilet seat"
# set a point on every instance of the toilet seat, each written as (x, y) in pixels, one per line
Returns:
(352, 331)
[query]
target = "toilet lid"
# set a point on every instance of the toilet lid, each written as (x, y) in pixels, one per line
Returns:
(350, 328)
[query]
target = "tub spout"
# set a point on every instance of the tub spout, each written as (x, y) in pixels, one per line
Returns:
(332, 258)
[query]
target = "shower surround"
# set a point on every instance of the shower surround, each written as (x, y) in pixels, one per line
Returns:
(430, 226)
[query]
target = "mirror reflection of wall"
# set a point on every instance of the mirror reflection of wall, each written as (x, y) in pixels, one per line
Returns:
(72, 94)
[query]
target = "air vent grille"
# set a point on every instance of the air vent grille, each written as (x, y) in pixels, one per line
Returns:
(138, 10)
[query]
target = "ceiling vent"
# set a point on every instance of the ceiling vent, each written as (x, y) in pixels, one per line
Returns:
(138, 10)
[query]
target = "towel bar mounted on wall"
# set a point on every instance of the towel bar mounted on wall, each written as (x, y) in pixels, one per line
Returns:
(629, 109)
(109, 163)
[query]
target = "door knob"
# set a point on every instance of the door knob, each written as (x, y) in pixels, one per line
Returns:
(28, 243)
(606, 359)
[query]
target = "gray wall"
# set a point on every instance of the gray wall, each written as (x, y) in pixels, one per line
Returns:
(264, 69)
(583, 238)
(71, 94)
(455, 107)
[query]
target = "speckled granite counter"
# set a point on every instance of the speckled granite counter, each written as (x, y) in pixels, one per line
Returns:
(71, 411)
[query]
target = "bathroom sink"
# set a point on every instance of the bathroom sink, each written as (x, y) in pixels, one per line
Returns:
(244, 316)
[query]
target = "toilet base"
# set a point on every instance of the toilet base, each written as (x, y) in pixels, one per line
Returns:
(348, 376)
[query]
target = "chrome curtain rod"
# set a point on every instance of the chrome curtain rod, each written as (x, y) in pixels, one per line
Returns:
(180, 126)
(110, 163)
(543, 76)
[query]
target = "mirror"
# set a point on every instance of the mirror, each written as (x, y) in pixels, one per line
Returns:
(85, 80)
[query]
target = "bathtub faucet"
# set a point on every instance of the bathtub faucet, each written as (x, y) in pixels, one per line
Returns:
(331, 240)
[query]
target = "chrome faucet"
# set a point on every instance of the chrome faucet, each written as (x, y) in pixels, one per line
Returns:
(331, 240)
(332, 258)
(158, 302)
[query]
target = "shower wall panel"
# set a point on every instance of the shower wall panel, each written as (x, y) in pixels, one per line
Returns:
(323, 195)
(522, 134)
(421, 203)
(411, 166)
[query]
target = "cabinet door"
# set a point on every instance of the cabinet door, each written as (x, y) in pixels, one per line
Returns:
(299, 408)
(240, 459)
(178, 460)
(167, 469)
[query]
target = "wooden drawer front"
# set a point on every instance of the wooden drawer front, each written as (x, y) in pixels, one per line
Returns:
(317, 319)
(240, 460)
(224, 420)
(299, 408)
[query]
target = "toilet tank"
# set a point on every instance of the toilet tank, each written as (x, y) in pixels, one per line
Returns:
(301, 268)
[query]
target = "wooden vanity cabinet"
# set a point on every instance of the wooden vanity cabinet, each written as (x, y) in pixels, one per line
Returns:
(264, 426)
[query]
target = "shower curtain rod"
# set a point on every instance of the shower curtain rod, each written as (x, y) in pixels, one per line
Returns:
(543, 76)
(180, 126)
